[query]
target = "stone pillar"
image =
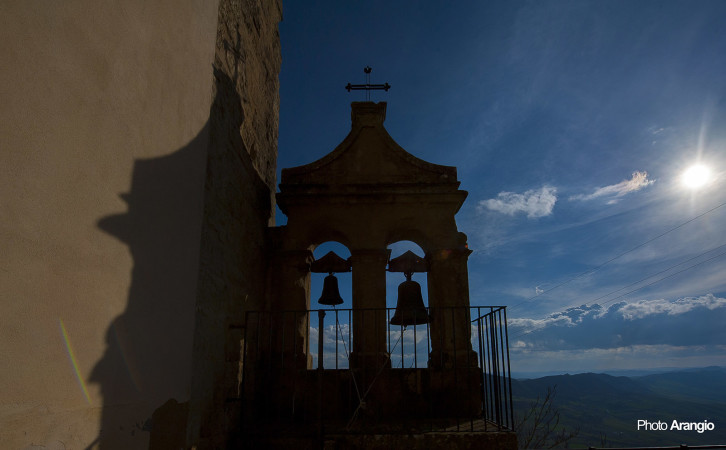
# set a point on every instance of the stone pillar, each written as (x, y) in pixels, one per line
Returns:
(369, 303)
(276, 340)
(289, 282)
(448, 288)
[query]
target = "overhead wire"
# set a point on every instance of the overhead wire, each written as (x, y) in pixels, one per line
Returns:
(656, 274)
(595, 269)
(522, 333)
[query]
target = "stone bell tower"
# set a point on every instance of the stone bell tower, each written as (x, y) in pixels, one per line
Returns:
(366, 194)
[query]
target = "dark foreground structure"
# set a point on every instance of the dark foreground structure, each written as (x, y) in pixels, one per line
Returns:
(371, 376)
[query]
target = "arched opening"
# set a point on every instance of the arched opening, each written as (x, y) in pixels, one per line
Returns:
(408, 346)
(336, 319)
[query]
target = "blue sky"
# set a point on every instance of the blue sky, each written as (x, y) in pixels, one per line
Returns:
(571, 124)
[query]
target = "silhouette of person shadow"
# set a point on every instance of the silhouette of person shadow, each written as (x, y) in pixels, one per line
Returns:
(148, 363)
(148, 356)
(148, 359)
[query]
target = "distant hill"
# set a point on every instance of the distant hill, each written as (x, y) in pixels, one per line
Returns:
(609, 406)
(704, 384)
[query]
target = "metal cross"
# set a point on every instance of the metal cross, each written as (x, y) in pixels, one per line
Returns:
(368, 87)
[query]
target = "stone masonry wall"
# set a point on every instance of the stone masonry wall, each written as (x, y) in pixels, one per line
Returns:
(238, 208)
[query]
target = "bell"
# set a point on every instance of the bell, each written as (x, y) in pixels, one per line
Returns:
(331, 295)
(410, 309)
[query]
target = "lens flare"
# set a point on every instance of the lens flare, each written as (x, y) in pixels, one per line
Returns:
(74, 362)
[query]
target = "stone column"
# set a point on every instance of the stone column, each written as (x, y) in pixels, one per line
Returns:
(369, 303)
(448, 288)
(290, 279)
(289, 282)
(276, 339)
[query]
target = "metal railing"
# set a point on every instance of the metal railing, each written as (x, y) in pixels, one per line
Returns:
(348, 371)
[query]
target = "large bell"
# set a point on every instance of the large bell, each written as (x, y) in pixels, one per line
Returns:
(410, 309)
(331, 295)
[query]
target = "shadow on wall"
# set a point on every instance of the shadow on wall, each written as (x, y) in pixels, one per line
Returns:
(147, 359)
(147, 365)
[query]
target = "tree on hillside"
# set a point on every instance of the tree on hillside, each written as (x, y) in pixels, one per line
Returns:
(539, 426)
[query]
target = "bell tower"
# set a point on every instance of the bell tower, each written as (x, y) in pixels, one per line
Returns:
(367, 194)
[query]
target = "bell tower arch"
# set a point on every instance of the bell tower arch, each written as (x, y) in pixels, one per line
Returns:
(366, 194)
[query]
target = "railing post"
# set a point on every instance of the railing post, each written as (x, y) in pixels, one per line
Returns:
(509, 374)
(321, 324)
(321, 319)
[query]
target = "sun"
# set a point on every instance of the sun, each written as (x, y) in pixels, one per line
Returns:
(696, 176)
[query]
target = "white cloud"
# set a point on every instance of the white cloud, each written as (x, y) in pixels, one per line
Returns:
(614, 192)
(686, 321)
(536, 324)
(644, 308)
(567, 318)
(629, 311)
(535, 203)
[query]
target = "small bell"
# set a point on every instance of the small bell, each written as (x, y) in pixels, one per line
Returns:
(410, 309)
(331, 294)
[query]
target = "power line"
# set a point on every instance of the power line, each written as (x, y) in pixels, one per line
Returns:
(647, 285)
(617, 257)
(641, 280)
(655, 274)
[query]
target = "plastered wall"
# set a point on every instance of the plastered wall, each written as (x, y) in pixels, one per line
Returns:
(106, 121)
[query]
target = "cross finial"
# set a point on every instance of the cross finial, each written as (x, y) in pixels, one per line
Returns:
(368, 87)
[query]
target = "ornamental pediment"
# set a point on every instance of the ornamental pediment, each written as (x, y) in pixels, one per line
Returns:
(369, 156)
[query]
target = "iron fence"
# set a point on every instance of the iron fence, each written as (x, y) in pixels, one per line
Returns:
(348, 371)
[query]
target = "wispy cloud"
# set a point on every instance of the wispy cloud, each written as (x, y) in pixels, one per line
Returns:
(534, 202)
(614, 192)
(686, 321)
(569, 317)
(644, 308)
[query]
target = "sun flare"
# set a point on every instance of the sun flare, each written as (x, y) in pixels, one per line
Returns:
(696, 176)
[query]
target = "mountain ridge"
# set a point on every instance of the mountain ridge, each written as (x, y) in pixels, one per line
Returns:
(609, 407)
